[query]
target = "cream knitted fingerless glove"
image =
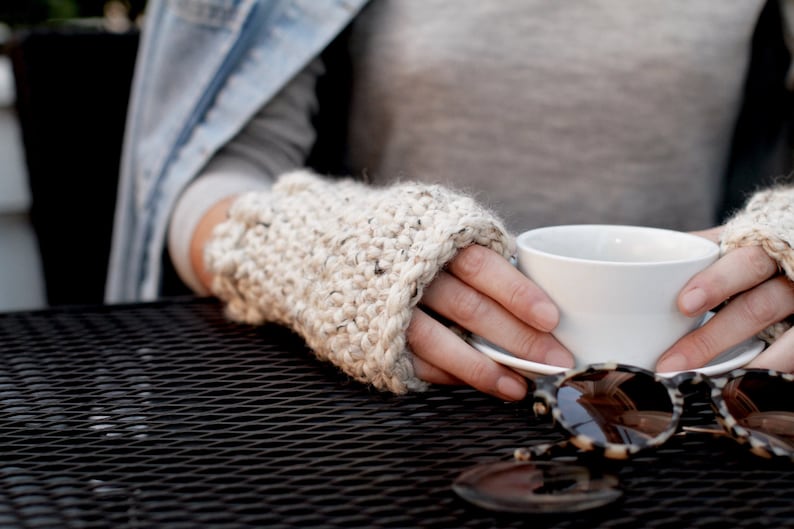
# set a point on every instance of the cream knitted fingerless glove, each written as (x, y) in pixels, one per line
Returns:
(343, 264)
(766, 221)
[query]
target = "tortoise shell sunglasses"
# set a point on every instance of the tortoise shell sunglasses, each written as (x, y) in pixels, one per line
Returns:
(621, 410)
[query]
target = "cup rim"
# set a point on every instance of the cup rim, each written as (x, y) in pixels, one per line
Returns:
(710, 248)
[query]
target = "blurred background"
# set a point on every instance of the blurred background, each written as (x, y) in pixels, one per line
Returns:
(66, 68)
(65, 73)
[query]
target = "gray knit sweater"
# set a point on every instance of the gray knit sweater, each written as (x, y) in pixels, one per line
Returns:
(548, 112)
(592, 111)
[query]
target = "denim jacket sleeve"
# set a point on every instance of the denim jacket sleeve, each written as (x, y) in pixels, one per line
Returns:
(204, 68)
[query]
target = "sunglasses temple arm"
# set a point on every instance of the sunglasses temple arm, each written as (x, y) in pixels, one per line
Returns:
(544, 450)
(718, 432)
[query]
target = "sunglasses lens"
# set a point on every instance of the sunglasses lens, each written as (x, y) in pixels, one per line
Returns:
(619, 407)
(764, 405)
(537, 487)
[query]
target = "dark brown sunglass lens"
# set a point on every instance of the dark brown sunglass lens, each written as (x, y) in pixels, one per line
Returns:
(615, 407)
(764, 405)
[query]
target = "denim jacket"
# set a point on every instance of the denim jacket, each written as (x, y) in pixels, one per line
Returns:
(204, 67)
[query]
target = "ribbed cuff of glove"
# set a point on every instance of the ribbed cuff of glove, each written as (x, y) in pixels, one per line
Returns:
(344, 264)
(766, 221)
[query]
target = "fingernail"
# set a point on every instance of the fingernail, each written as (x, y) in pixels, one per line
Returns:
(693, 301)
(545, 315)
(559, 357)
(510, 388)
(674, 362)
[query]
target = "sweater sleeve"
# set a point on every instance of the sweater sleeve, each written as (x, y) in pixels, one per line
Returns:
(766, 221)
(344, 264)
(277, 139)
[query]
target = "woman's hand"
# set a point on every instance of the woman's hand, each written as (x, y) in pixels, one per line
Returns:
(757, 297)
(483, 293)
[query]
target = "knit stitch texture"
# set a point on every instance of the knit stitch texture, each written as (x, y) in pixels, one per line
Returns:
(766, 221)
(344, 264)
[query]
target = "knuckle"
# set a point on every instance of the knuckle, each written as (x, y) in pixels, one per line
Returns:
(526, 344)
(521, 293)
(759, 263)
(466, 305)
(470, 261)
(702, 346)
(759, 307)
(477, 372)
(419, 329)
(786, 288)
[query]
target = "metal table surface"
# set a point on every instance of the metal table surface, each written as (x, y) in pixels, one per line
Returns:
(166, 415)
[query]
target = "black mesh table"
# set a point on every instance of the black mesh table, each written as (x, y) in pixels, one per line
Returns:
(166, 415)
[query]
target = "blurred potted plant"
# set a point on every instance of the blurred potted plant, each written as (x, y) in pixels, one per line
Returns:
(73, 62)
(112, 15)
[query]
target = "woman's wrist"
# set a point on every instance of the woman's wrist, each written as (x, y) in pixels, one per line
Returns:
(214, 216)
(200, 204)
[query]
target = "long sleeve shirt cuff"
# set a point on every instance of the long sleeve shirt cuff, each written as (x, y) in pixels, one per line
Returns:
(219, 182)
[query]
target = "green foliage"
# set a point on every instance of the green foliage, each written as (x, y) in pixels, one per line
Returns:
(29, 13)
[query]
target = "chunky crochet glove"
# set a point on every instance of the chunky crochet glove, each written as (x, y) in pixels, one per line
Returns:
(343, 265)
(766, 221)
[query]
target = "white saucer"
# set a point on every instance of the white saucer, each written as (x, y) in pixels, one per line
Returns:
(735, 357)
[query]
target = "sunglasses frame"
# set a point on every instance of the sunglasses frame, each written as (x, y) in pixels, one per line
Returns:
(547, 387)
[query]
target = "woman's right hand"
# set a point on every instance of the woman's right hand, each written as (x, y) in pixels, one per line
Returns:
(481, 292)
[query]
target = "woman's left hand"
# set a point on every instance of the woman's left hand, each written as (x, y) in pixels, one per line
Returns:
(757, 297)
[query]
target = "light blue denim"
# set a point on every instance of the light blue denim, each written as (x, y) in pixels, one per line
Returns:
(204, 68)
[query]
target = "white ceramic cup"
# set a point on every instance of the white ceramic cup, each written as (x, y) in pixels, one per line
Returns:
(615, 286)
